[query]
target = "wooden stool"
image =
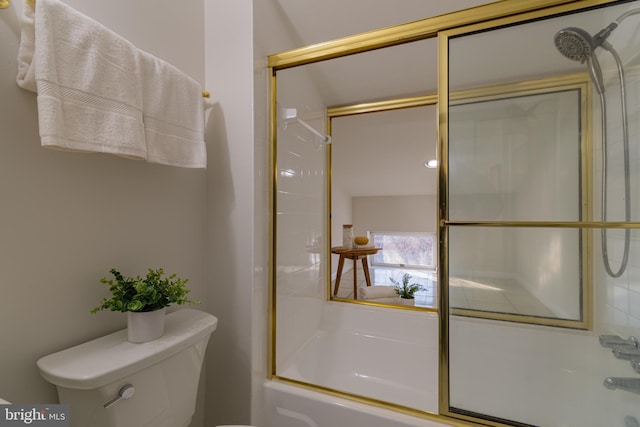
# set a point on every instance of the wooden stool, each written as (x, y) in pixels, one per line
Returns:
(355, 254)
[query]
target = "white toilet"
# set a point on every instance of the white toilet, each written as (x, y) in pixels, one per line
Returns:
(110, 382)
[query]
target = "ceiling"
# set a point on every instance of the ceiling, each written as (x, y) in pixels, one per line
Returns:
(397, 71)
(313, 21)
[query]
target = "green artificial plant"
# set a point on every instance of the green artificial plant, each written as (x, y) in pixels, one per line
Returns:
(404, 289)
(150, 293)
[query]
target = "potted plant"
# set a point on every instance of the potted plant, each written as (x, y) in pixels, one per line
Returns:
(405, 290)
(144, 300)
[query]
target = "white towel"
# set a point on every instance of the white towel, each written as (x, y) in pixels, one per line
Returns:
(375, 292)
(173, 115)
(86, 77)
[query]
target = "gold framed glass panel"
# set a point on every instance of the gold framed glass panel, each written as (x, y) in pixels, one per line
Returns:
(518, 154)
(300, 267)
(528, 185)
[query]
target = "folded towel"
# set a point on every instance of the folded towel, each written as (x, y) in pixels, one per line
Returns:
(89, 89)
(173, 115)
(375, 292)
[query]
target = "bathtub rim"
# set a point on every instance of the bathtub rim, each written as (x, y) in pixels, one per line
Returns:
(413, 395)
(367, 401)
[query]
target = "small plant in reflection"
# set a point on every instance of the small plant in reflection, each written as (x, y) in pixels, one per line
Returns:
(404, 289)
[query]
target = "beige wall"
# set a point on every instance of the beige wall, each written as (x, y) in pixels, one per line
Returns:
(229, 258)
(66, 218)
(394, 213)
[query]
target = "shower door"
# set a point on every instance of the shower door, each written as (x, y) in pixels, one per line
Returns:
(540, 218)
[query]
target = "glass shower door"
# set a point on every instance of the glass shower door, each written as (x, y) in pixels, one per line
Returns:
(541, 153)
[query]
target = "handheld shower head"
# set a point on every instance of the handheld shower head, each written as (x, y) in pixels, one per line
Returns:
(576, 44)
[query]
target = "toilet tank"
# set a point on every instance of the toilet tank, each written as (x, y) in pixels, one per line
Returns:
(164, 374)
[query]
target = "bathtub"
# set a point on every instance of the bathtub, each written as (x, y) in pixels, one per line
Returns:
(373, 352)
(292, 406)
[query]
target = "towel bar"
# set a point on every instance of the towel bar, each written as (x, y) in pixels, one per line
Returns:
(6, 3)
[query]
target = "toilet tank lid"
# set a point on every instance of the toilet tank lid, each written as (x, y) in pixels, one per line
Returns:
(106, 359)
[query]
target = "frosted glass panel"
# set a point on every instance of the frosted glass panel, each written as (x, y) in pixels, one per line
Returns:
(531, 172)
(516, 158)
(519, 271)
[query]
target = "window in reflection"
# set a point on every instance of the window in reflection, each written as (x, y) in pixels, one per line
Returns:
(409, 249)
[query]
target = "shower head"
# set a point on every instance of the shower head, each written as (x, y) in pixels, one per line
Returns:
(578, 45)
(574, 43)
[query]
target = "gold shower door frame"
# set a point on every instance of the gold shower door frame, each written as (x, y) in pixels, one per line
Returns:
(444, 26)
(585, 225)
(573, 82)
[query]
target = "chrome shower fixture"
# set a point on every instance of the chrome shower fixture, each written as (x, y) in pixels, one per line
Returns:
(574, 43)
(632, 385)
(578, 45)
(626, 353)
(609, 341)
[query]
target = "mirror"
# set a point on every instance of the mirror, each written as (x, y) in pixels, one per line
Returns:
(381, 185)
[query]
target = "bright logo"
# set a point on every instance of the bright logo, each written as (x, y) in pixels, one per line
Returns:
(34, 415)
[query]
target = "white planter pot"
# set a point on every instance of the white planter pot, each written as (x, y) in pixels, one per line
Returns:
(145, 326)
(406, 301)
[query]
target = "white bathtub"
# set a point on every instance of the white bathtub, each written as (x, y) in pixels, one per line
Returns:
(291, 406)
(378, 353)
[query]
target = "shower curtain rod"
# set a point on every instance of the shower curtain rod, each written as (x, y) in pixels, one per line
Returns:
(286, 114)
(6, 3)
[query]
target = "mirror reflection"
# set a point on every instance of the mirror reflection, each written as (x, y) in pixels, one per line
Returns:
(383, 206)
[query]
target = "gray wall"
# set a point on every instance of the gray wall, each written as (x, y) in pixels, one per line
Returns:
(66, 218)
